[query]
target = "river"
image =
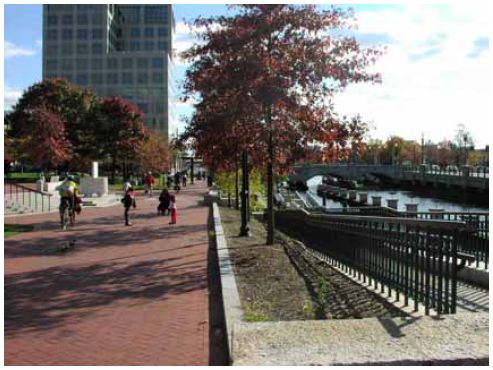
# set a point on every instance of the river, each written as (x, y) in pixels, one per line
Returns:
(403, 197)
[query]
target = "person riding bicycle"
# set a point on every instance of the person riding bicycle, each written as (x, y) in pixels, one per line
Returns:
(68, 191)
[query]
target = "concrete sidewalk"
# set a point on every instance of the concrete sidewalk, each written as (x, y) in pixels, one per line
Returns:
(123, 296)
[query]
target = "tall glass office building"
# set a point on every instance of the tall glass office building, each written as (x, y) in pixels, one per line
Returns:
(115, 50)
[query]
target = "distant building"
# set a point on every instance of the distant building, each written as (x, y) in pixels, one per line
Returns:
(115, 50)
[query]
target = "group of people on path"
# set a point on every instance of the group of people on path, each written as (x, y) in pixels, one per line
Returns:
(167, 203)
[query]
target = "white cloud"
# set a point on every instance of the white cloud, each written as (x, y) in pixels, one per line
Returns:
(11, 50)
(430, 82)
(11, 96)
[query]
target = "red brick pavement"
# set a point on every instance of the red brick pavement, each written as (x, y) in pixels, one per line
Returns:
(123, 296)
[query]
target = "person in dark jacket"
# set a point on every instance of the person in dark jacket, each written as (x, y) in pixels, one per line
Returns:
(164, 199)
(128, 201)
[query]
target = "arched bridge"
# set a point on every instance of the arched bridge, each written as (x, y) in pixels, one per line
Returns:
(465, 177)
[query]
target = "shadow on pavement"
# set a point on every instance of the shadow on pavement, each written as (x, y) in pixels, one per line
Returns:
(60, 296)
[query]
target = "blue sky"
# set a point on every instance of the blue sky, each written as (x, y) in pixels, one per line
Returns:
(437, 58)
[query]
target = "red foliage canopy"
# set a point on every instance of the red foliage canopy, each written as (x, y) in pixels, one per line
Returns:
(271, 67)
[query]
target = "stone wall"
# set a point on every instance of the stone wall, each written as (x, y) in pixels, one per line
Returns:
(94, 187)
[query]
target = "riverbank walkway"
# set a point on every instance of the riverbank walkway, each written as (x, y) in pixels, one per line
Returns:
(120, 296)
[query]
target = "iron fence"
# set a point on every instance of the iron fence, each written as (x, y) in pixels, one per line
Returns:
(415, 258)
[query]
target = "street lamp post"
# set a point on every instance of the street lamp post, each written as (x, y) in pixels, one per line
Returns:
(245, 230)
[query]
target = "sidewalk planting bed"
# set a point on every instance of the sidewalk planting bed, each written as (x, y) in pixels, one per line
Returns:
(285, 282)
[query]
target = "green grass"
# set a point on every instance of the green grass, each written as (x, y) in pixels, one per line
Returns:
(251, 315)
(11, 230)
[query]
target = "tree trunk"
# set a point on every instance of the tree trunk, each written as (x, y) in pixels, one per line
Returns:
(237, 200)
(270, 184)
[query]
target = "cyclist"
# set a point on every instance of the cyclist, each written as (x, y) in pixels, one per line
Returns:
(68, 191)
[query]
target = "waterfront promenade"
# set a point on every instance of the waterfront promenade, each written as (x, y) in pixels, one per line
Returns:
(122, 296)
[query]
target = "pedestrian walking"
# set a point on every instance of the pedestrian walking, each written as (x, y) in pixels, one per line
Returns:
(173, 209)
(164, 201)
(177, 181)
(184, 180)
(149, 181)
(128, 201)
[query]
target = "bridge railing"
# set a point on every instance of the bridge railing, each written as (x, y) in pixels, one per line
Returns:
(473, 171)
(416, 258)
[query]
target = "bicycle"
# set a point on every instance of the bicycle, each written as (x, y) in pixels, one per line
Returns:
(67, 214)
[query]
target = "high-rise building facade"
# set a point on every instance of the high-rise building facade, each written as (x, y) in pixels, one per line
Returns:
(115, 50)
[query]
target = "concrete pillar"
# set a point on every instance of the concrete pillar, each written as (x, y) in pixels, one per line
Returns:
(363, 197)
(95, 170)
(352, 195)
(436, 213)
(411, 208)
(376, 201)
(392, 203)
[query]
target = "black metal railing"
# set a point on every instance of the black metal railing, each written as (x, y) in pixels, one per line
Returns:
(415, 258)
(27, 197)
(474, 171)
(477, 242)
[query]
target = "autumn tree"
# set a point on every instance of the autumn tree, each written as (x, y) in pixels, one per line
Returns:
(265, 78)
(154, 154)
(121, 132)
(72, 105)
(44, 139)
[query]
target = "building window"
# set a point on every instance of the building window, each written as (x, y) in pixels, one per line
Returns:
(67, 34)
(134, 46)
(52, 48)
(131, 14)
(112, 63)
(82, 34)
(158, 63)
(81, 79)
(52, 35)
(51, 64)
(97, 34)
(127, 63)
(97, 78)
(112, 78)
(142, 63)
(97, 48)
(82, 19)
(52, 20)
(127, 78)
(148, 46)
(97, 18)
(97, 64)
(67, 49)
(158, 77)
(149, 32)
(135, 32)
(67, 65)
(67, 19)
(162, 32)
(82, 64)
(82, 49)
(155, 14)
(159, 108)
(142, 78)
(161, 45)
(144, 107)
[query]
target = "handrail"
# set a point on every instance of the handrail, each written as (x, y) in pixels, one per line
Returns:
(431, 224)
(23, 190)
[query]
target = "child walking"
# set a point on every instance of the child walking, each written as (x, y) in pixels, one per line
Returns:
(172, 208)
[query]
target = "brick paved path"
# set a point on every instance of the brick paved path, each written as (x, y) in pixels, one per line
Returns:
(123, 296)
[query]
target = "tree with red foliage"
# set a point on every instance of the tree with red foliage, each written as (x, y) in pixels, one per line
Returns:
(265, 78)
(155, 154)
(121, 131)
(44, 139)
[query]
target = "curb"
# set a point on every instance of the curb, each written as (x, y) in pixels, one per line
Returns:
(231, 299)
